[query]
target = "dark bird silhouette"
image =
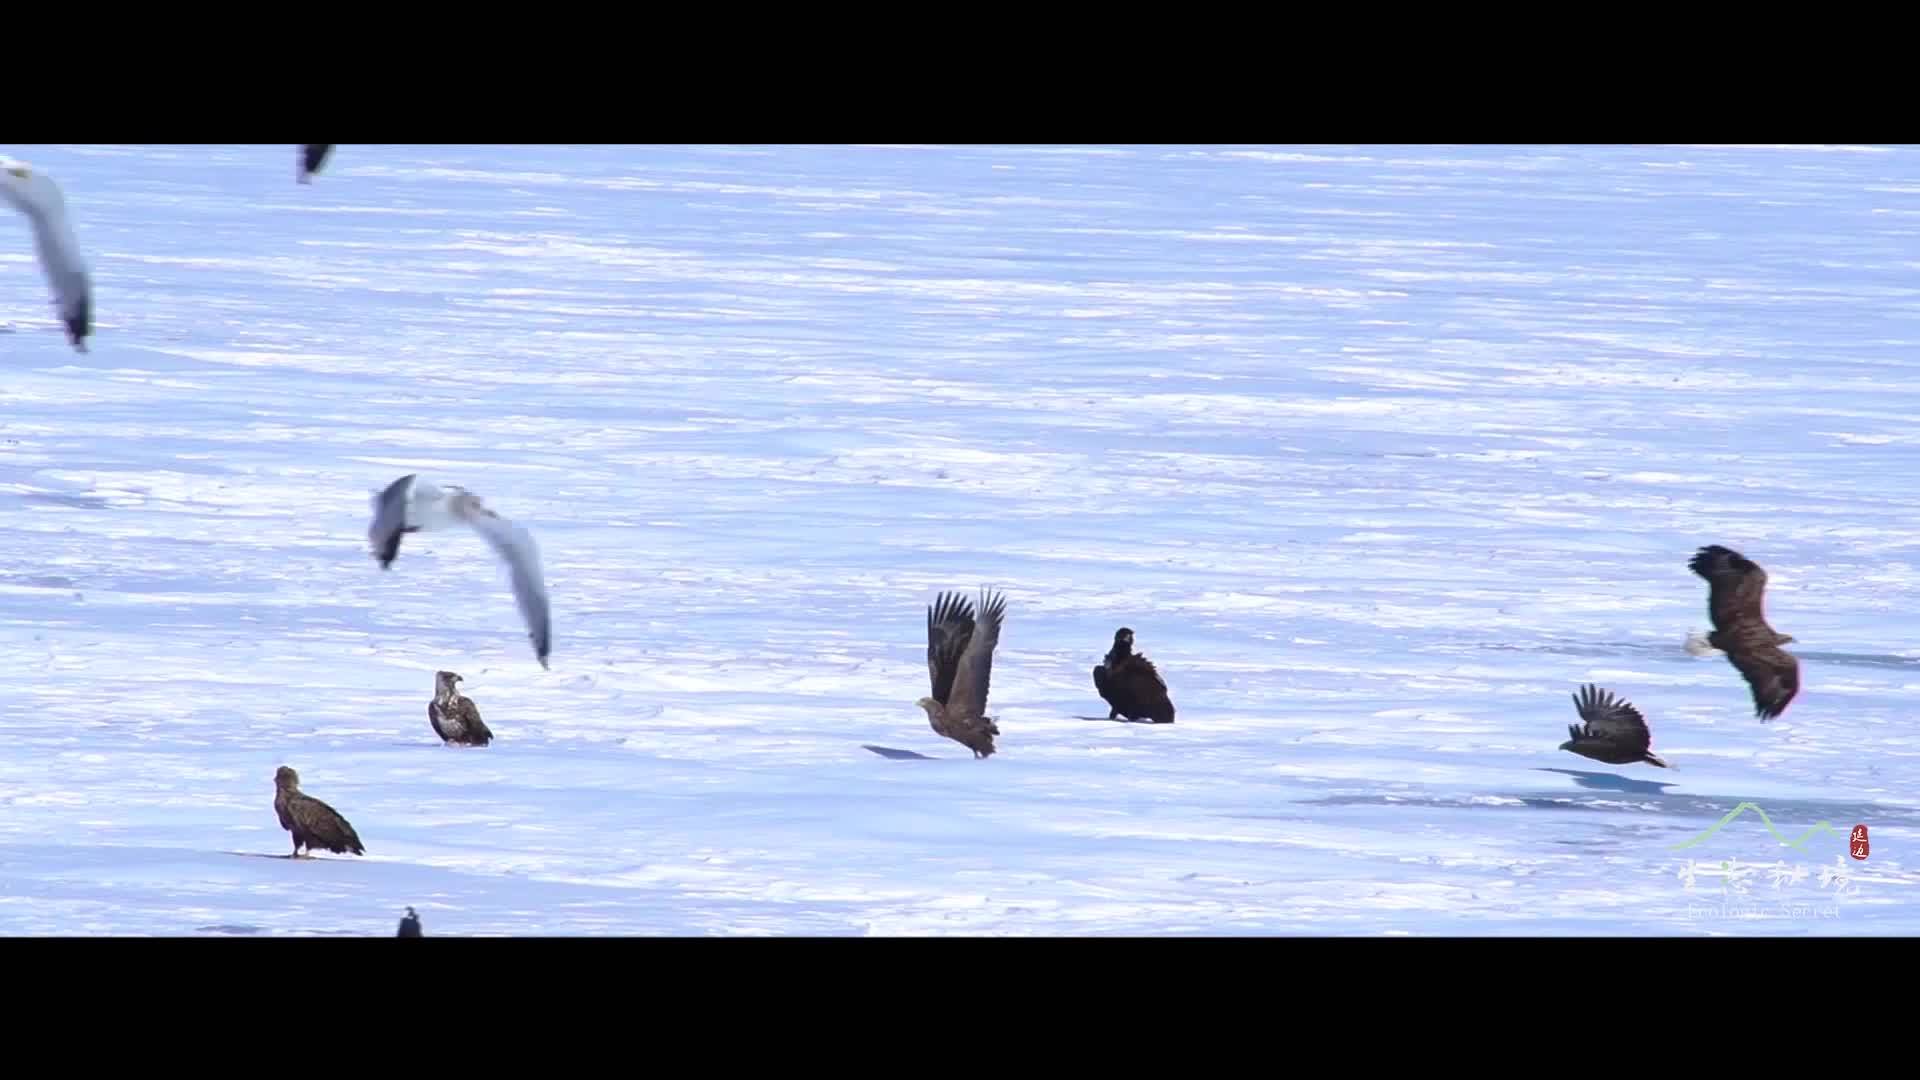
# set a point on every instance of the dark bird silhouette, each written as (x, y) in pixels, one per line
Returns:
(312, 156)
(1130, 684)
(410, 925)
(960, 661)
(949, 628)
(1737, 590)
(1611, 730)
(454, 716)
(314, 824)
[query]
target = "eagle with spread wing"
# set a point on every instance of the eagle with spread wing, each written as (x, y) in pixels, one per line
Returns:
(1737, 588)
(1130, 684)
(960, 663)
(1611, 730)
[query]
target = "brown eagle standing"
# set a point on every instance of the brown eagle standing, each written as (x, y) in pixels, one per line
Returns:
(1737, 588)
(314, 824)
(1611, 730)
(960, 663)
(1130, 684)
(454, 716)
(409, 925)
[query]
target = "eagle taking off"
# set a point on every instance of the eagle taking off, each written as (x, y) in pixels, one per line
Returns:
(1737, 588)
(314, 824)
(454, 716)
(1611, 730)
(960, 663)
(1130, 685)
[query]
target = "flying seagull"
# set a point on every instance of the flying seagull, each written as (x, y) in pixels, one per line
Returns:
(1130, 684)
(960, 661)
(454, 716)
(314, 824)
(1737, 588)
(1611, 730)
(34, 194)
(410, 925)
(411, 504)
(312, 156)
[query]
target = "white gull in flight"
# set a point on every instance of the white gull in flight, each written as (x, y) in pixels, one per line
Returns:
(411, 504)
(34, 194)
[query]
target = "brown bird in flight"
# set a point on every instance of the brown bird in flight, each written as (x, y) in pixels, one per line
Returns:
(1611, 730)
(454, 716)
(1737, 589)
(314, 824)
(960, 663)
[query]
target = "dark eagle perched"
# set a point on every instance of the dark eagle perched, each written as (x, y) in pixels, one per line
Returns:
(1611, 730)
(1130, 684)
(314, 824)
(960, 662)
(312, 156)
(454, 716)
(410, 925)
(1737, 591)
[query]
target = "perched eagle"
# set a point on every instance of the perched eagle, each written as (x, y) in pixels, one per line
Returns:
(1611, 730)
(410, 925)
(312, 156)
(454, 716)
(1130, 684)
(1737, 589)
(314, 824)
(34, 194)
(960, 662)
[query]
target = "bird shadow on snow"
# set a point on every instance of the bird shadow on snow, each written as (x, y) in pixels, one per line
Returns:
(239, 930)
(1568, 648)
(79, 502)
(1613, 782)
(1672, 652)
(1121, 720)
(1656, 800)
(1860, 659)
(892, 754)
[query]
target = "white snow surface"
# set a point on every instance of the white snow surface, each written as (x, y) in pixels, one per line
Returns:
(1381, 451)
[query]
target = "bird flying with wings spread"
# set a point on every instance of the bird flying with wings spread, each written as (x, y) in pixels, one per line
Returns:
(1736, 592)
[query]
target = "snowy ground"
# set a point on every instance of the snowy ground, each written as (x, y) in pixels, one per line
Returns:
(1381, 451)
